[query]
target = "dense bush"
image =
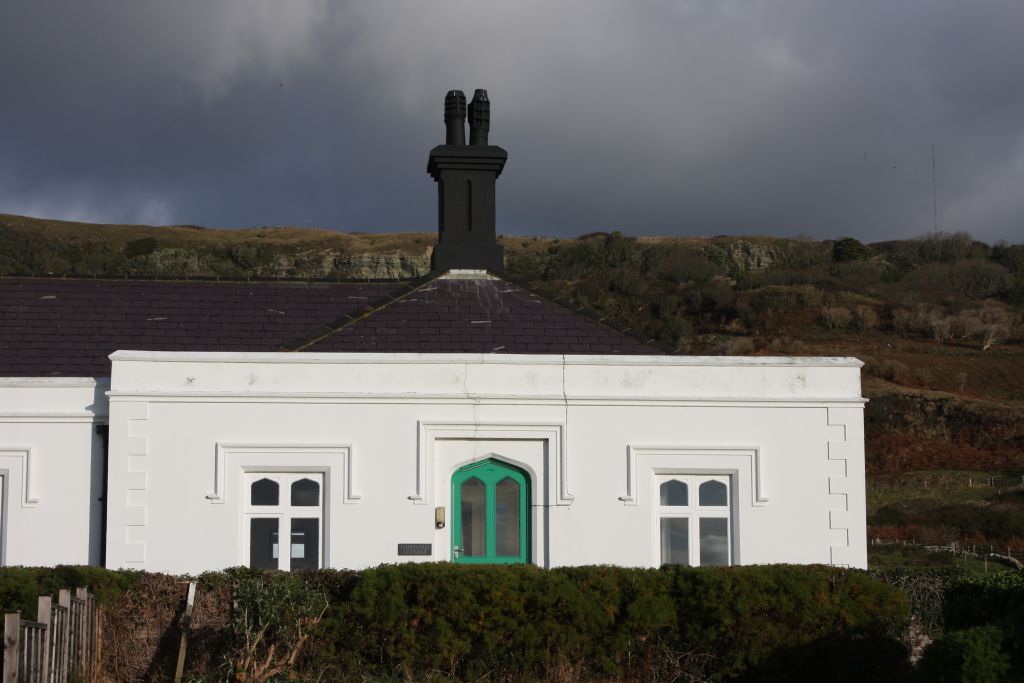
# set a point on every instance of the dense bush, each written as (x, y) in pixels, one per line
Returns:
(443, 621)
(992, 601)
(926, 588)
(20, 587)
(973, 655)
(510, 623)
(849, 249)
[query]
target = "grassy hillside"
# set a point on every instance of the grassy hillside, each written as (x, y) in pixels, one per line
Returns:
(937, 321)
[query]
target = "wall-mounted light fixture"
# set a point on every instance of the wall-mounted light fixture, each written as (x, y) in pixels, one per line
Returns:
(439, 518)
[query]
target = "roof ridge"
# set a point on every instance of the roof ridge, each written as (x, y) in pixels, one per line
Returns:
(410, 287)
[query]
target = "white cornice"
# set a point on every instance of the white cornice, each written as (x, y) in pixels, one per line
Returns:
(10, 417)
(55, 382)
(479, 358)
(494, 399)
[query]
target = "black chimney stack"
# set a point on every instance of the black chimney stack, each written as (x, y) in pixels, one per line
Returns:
(465, 176)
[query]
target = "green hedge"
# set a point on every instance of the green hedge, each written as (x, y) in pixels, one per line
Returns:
(984, 630)
(511, 623)
(20, 587)
(521, 622)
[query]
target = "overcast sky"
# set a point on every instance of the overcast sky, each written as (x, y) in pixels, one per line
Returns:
(661, 117)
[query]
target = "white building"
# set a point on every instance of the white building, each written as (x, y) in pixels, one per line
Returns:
(187, 426)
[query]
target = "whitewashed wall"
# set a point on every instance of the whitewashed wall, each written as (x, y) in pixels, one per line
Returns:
(51, 461)
(389, 429)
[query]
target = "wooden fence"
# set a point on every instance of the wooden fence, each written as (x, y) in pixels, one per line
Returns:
(980, 551)
(62, 642)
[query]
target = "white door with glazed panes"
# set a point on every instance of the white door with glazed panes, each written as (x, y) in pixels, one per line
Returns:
(284, 520)
(693, 523)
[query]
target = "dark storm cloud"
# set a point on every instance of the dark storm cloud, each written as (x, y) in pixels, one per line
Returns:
(661, 117)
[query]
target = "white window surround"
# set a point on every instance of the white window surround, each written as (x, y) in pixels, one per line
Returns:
(745, 462)
(555, 468)
(336, 460)
(284, 512)
(693, 511)
(19, 465)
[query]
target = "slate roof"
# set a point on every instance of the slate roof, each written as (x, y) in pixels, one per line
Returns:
(477, 316)
(68, 327)
(65, 327)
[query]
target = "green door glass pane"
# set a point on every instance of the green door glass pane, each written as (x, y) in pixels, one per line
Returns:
(473, 516)
(491, 514)
(507, 498)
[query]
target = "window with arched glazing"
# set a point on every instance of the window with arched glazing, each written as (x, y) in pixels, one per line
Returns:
(284, 520)
(693, 530)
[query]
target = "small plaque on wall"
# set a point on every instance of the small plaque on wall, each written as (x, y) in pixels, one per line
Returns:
(415, 549)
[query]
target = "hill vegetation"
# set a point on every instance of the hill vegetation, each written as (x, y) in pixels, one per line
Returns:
(938, 321)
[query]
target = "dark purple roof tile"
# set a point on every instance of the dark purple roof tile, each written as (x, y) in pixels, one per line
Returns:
(68, 327)
(478, 316)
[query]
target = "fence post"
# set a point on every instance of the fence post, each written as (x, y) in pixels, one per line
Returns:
(87, 639)
(12, 635)
(64, 600)
(44, 615)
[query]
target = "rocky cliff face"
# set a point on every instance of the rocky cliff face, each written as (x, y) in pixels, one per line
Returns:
(743, 255)
(392, 265)
(174, 262)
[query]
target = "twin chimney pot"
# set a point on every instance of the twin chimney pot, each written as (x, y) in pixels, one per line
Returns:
(465, 176)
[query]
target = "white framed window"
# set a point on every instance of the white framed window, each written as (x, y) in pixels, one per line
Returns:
(693, 520)
(284, 520)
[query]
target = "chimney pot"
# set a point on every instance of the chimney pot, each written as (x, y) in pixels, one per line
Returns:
(479, 118)
(455, 117)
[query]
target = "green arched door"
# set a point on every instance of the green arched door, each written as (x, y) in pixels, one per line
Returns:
(491, 510)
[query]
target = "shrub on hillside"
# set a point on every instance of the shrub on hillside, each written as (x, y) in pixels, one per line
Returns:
(849, 249)
(962, 281)
(936, 247)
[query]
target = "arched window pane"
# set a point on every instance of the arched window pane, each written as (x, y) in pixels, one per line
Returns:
(674, 493)
(507, 503)
(713, 493)
(473, 518)
(264, 492)
(305, 492)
